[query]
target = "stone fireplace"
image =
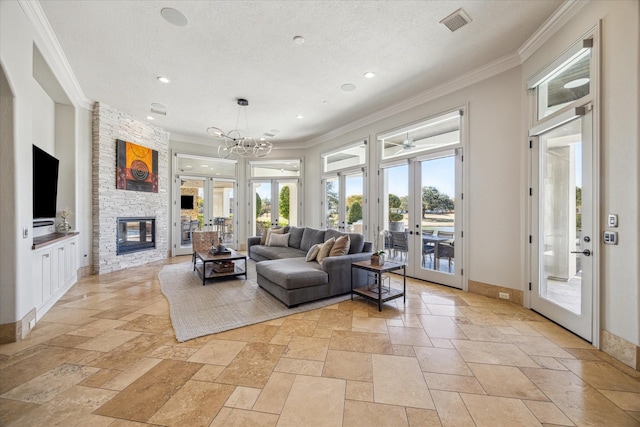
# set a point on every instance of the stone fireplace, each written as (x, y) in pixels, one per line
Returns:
(130, 228)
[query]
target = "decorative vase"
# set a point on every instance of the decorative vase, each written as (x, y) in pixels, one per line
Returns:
(377, 260)
(64, 226)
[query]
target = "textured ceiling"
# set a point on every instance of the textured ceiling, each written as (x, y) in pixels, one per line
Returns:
(232, 49)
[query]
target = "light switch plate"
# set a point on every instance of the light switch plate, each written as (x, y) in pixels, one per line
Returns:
(610, 237)
(613, 220)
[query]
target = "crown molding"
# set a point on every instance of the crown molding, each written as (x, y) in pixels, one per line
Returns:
(53, 53)
(482, 73)
(564, 13)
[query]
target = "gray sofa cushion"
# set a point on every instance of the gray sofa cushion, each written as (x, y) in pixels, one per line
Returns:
(294, 273)
(357, 240)
(310, 237)
(274, 252)
(295, 236)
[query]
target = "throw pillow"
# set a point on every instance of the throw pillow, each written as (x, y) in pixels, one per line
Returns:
(324, 251)
(263, 238)
(313, 252)
(273, 231)
(341, 246)
(279, 240)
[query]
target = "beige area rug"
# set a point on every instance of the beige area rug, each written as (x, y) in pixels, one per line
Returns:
(221, 305)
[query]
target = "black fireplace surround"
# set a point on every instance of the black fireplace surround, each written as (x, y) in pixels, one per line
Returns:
(135, 234)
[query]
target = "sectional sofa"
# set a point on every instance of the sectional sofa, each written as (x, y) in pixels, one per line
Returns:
(284, 272)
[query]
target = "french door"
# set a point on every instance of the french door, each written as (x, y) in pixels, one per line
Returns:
(204, 204)
(344, 201)
(422, 213)
(563, 227)
(274, 202)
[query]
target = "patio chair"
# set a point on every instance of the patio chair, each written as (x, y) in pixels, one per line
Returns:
(201, 241)
(428, 248)
(446, 248)
(399, 243)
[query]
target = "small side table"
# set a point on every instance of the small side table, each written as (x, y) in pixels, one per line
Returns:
(381, 295)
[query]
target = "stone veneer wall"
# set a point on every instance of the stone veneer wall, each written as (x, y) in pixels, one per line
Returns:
(109, 203)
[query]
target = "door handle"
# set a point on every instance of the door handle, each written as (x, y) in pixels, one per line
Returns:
(586, 252)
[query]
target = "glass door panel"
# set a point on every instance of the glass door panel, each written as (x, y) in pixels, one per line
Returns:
(332, 202)
(287, 203)
(261, 196)
(276, 202)
(223, 198)
(563, 270)
(354, 203)
(192, 214)
(438, 214)
(395, 212)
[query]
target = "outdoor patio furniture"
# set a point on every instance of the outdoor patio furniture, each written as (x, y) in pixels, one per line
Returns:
(399, 243)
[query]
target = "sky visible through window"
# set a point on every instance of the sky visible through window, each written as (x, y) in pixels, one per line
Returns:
(438, 173)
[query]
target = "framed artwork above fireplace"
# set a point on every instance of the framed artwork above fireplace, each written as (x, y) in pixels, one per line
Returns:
(136, 167)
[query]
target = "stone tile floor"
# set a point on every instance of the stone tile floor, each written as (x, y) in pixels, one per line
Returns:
(105, 355)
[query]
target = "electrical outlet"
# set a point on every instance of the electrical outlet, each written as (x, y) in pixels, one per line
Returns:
(503, 295)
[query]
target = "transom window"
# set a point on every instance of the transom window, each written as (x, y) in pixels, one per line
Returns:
(275, 168)
(565, 80)
(353, 155)
(431, 134)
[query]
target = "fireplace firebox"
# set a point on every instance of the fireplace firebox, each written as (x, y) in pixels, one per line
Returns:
(136, 234)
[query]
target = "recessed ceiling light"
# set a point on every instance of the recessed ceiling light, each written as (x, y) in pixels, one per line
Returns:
(163, 79)
(369, 74)
(298, 40)
(188, 166)
(204, 166)
(174, 16)
(299, 116)
(348, 87)
(576, 83)
(149, 118)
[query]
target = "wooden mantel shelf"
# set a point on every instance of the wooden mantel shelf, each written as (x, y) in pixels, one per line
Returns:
(50, 239)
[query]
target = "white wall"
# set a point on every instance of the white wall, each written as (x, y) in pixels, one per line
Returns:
(43, 120)
(619, 148)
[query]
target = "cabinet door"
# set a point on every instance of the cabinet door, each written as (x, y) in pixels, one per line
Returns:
(42, 275)
(72, 255)
(59, 262)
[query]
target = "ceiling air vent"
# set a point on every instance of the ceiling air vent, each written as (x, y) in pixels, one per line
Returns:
(456, 20)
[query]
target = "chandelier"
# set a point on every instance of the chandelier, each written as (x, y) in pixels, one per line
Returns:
(239, 142)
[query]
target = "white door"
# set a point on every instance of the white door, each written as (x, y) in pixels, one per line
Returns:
(423, 215)
(203, 204)
(437, 218)
(344, 201)
(563, 228)
(275, 202)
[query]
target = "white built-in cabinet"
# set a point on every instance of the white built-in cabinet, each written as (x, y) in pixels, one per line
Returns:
(55, 271)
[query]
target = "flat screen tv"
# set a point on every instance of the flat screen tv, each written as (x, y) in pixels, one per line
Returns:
(186, 202)
(45, 184)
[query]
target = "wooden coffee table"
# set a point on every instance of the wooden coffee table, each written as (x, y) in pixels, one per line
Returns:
(206, 271)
